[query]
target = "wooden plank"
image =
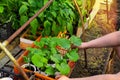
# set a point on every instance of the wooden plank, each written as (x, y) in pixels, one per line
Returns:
(10, 47)
(16, 57)
(93, 13)
(14, 52)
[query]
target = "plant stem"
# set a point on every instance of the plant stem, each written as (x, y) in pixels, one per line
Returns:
(83, 29)
(81, 17)
(84, 4)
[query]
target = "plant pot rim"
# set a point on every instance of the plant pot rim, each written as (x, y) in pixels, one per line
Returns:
(28, 64)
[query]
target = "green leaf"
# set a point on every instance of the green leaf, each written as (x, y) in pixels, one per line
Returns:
(35, 51)
(32, 3)
(39, 44)
(64, 43)
(79, 2)
(34, 26)
(45, 1)
(41, 16)
(75, 40)
(40, 3)
(73, 55)
(56, 58)
(53, 43)
(25, 3)
(38, 60)
(54, 14)
(69, 4)
(23, 19)
(55, 28)
(59, 19)
(50, 70)
(62, 13)
(15, 23)
(23, 9)
(70, 28)
(84, 12)
(53, 50)
(26, 59)
(47, 28)
(1, 9)
(63, 68)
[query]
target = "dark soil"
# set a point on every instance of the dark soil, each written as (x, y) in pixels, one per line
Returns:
(6, 31)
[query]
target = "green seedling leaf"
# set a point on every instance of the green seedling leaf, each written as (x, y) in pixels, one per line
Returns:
(53, 42)
(1, 9)
(41, 16)
(63, 68)
(60, 20)
(69, 4)
(54, 14)
(75, 40)
(55, 29)
(25, 3)
(39, 44)
(26, 59)
(34, 25)
(73, 55)
(32, 3)
(38, 60)
(47, 29)
(23, 9)
(40, 3)
(64, 43)
(23, 19)
(56, 58)
(53, 50)
(50, 70)
(45, 1)
(70, 28)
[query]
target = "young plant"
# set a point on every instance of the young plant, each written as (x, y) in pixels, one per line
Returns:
(9, 12)
(58, 17)
(48, 50)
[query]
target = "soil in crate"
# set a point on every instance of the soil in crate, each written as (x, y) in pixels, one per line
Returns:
(6, 31)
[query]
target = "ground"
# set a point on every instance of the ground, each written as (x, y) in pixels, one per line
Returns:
(99, 61)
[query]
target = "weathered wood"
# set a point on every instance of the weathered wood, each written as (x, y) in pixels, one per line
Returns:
(93, 13)
(14, 52)
(10, 47)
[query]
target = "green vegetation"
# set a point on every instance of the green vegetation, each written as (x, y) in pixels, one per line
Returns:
(47, 51)
(60, 16)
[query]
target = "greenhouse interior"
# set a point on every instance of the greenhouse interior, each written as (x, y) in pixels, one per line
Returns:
(79, 40)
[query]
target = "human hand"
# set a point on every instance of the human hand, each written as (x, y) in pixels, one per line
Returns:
(63, 78)
(82, 46)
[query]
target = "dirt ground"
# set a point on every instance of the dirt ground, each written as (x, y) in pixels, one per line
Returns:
(98, 59)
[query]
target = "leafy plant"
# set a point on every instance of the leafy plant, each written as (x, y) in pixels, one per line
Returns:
(27, 10)
(9, 12)
(48, 49)
(59, 16)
